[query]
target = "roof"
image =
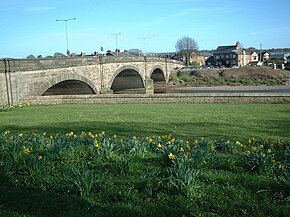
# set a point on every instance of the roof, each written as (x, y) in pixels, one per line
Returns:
(210, 59)
(225, 49)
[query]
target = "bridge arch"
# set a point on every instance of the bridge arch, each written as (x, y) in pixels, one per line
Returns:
(157, 74)
(74, 78)
(127, 78)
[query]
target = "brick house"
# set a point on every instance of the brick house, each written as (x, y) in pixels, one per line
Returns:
(197, 59)
(232, 55)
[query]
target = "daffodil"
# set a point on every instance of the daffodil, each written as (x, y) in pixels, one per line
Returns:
(254, 148)
(280, 166)
(159, 145)
(269, 151)
(26, 150)
(20, 134)
(96, 144)
(263, 155)
(212, 148)
(171, 156)
(39, 157)
(181, 149)
(247, 152)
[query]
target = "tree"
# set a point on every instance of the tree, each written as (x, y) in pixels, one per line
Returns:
(185, 46)
(136, 52)
(58, 55)
(31, 57)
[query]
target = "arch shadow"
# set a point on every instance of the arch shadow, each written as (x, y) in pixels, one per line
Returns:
(157, 74)
(66, 77)
(127, 78)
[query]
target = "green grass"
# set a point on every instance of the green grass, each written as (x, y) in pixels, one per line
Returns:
(213, 121)
(103, 175)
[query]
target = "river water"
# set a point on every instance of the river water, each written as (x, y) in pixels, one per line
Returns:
(226, 89)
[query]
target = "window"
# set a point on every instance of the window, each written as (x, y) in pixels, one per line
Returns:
(222, 56)
(234, 56)
(227, 56)
(217, 57)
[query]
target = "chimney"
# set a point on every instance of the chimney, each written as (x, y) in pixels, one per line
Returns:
(238, 45)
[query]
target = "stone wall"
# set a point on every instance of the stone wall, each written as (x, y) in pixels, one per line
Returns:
(32, 77)
(160, 98)
(17, 65)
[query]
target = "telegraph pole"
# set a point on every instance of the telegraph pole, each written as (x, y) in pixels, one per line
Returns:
(116, 34)
(65, 21)
(144, 46)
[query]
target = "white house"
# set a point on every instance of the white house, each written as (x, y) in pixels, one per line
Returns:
(254, 57)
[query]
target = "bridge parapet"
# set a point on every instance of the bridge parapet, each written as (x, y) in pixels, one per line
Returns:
(17, 65)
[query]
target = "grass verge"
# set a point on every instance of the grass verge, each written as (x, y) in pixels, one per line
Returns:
(211, 121)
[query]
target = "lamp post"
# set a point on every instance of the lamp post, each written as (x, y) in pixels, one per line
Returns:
(144, 47)
(65, 21)
(116, 35)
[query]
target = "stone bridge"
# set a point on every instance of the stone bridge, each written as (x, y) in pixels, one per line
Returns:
(20, 78)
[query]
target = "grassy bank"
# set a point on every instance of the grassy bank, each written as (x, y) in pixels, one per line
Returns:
(186, 121)
(95, 174)
(230, 76)
(135, 160)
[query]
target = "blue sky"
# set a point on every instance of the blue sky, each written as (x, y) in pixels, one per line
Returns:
(30, 27)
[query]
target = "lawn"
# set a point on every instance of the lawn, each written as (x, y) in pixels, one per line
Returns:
(187, 121)
(145, 160)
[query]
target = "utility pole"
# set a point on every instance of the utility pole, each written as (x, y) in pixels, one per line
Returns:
(144, 46)
(261, 53)
(116, 34)
(65, 21)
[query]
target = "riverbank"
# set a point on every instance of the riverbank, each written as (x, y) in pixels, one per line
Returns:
(228, 89)
(244, 76)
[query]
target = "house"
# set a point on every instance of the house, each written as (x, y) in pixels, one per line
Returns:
(287, 65)
(254, 57)
(210, 61)
(232, 55)
(266, 56)
(197, 59)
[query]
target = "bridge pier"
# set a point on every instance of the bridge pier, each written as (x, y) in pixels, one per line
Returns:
(105, 90)
(149, 85)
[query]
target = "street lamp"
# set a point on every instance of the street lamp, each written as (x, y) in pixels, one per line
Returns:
(65, 21)
(116, 34)
(144, 47)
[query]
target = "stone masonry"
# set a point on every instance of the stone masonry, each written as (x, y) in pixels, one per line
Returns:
(20, 78)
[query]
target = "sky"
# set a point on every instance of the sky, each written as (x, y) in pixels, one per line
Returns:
(30, 26)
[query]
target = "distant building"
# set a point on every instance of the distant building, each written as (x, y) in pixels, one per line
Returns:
(282, 55)
(254, 57)
(288, 59)
(210, 61)
(197, 59)
(265, 56)
(232, 55)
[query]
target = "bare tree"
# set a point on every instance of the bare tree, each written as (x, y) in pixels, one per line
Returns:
(185, 46)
